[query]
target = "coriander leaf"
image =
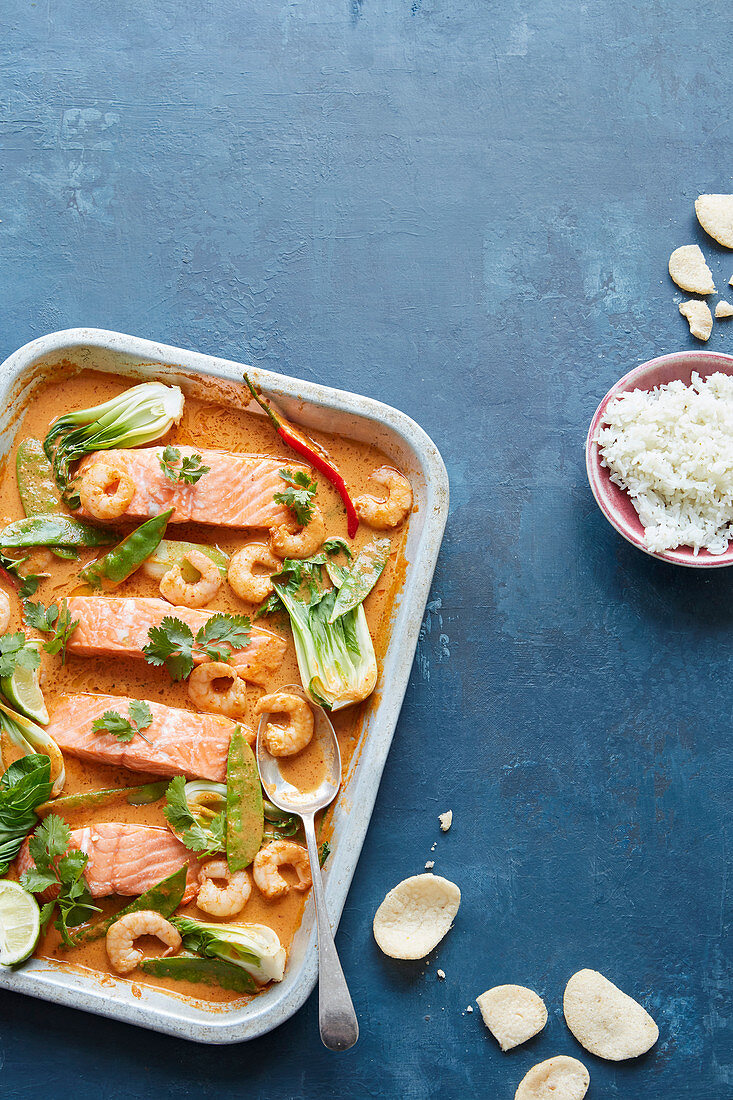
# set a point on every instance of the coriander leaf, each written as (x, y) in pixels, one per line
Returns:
(223, 633)
(203, 839)
(299, 494)
(29, 584)
(15, 654)
(46, 912)
(176, 811)
(40, 617)
(169, 457)
(171, 644)
(124, 729)
(140, 714)
(52, 621)
(50, 841)
(323, 853)
(210, 839)
(113, 723)
(192, 470)
(59, 867)
(189, 471)
(35, 881)
(70, 866)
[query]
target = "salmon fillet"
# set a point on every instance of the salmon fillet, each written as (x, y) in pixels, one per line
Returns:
(181, 743)
(111, 625)
(127, 859)
(238, 490)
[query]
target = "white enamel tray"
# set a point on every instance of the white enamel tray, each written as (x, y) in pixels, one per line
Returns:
(318, 407)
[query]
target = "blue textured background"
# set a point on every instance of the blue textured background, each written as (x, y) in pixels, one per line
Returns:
(466, 210)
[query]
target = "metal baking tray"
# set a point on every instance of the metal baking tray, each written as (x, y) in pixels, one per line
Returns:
(313, 406)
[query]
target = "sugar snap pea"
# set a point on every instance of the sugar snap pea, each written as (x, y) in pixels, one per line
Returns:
(245, 817)
(36, 485)
(53, 530)
(191, 968)
(134, 796)
(163, 898)
(122, 561)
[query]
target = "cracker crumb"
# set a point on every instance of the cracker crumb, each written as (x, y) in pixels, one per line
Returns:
(433, 847)
(723, 309)
(441, 975)
(429, 865)
(446, 820)
(469, 1008)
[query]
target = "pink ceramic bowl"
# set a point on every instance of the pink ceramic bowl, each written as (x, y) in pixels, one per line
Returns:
(615, 502)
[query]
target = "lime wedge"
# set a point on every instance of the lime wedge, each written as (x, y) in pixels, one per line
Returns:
(20, 923)
(23, 691)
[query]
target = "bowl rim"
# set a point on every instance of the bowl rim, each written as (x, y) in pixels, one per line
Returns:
(704, 363)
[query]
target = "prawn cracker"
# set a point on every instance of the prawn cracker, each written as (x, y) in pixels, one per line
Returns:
(607, 1022)
(559, 1078)
(512, 1013)
(415, 916)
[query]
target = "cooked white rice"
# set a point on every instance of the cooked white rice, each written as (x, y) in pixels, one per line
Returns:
(671, 449)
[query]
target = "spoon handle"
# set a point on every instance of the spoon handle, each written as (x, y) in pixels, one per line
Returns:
(336, 1016)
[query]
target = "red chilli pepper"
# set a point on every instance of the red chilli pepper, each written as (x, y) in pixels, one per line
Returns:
(298, 443)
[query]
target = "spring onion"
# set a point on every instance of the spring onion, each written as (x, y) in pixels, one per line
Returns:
(254, 947)
(139, 415)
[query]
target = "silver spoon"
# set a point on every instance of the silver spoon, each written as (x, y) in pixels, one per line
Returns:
(336, 1016)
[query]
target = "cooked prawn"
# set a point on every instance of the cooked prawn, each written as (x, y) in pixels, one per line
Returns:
(216, 687)
(196, 593)
(222, 901)
(396, 506)
(247, 584)
(274, 855)
(123, 933)
(4, 611)
(105, 490)
(299, 731)
(290, 540)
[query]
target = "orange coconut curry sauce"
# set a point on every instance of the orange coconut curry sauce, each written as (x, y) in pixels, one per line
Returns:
(204, 426)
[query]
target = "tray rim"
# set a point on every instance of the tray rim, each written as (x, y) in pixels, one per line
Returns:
(176, 1016)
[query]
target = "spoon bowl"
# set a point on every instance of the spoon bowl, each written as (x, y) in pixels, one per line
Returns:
(336, 1017)
(278, 789)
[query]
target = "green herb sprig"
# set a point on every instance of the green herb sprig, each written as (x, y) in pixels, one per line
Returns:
(188, 472)
(204, 839)
(56, 866)
(174, 645)
(299, 494)
(124, 729)
(54, 621)
(16, 653)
